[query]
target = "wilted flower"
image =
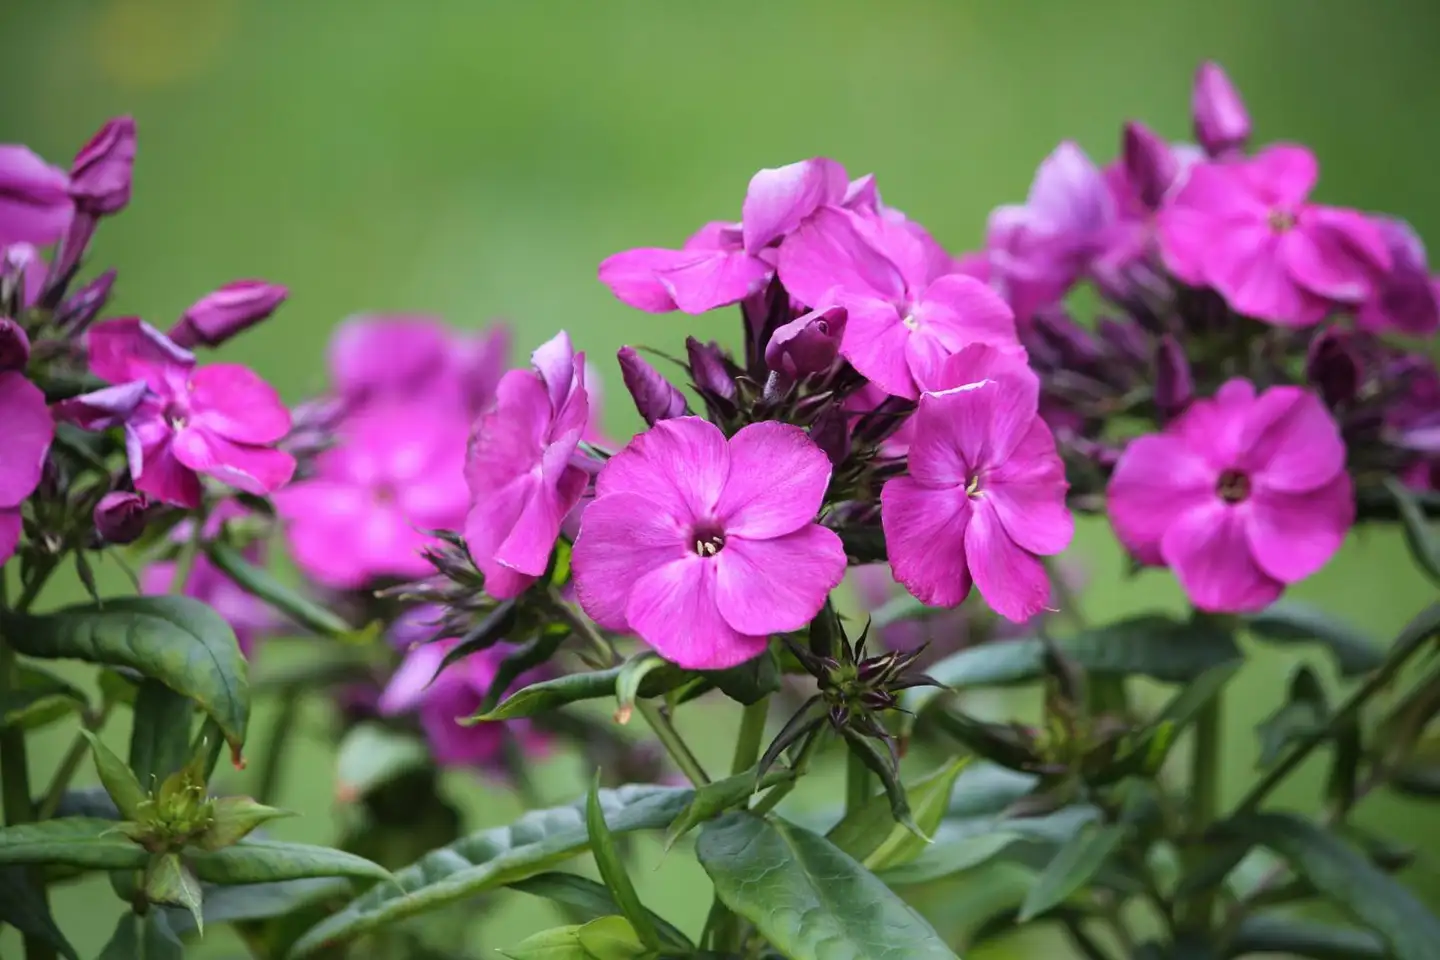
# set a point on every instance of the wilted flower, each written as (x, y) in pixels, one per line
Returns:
(1222, 126)
(35, 204)
(234, 308)
(985, 494)
(25, 434)
(704, 547)
(1240, 496)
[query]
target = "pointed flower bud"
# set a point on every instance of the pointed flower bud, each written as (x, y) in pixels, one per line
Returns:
(234, 308)
(1150, 165)
(14, 346)
(807, 344)
(1222, 126)
(1333, 367)
(120, 516)
(708, 369)
(1174, 386)
(82, 307)
(100, 176)
(831, 433)
(655, 397)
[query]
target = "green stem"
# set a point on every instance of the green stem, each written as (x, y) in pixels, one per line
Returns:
(185, 562)
(1204, 787)
(752, 734)
(857, 782)
(671, 740)
(802, 763)
(274, 756)
(583, 629)
(64, 773)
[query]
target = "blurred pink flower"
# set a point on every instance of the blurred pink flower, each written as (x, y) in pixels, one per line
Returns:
(1222, 125)
(25, 434)
(375, 357)
(1407, 299)
(35, 204)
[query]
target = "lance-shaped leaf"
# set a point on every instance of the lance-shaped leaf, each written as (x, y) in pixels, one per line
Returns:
(1306, 938)
(1080, 859)
(169, 881)
(801, 724)
(143, 938)
(260, 901)
(73, 842)
(882, 760)
(372, 755)
(233, 818)
(612, 868)
(1303, 714)
(962, 843)
(1346, 877)
(35, 698)
(612, 938)
(1291, 621)
(178, 641)
(807, 897)
(269, 861)
(117, 779)
(494, 858)
(1419, 537)
(716, 797)
(871, 835)
(259, 582)
(529, 655)
(25, 909)
(627, 684)
(593, 900)
(557, 943)
(160, 736)
(751, 681)
(546, 695)
(484, 635)
(1006, 744)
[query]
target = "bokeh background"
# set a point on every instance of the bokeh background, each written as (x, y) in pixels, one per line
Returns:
(478, 158)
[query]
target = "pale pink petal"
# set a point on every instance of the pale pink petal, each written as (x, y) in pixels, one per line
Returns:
(129, 349)
(715, 280)
(875, 343)
(778, 198)
(236, 403)
(776, 483)
(830, 250)
(777, 585)
(623, 537)
(1336, 253)
(632, 275)
(407, 684)
(1012, 580)
(1281, 174)
(26, 430)
(679, 464)
(1247, 267)
(1210, 554)
(1158, 479)
(1068, 194)
(1293, 535)
(257, 470)
(11, 526)
(673, 609)
(1290, 442)
(925, 539)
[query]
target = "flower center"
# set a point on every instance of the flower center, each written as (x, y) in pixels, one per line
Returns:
(910, 322)
(1281, 220)
(707, 540)
(1233, 487)
(972, 488)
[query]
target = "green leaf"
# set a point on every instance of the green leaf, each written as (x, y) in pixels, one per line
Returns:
(36, 698)
(259, 583)
(1423, 544)
(233, 818)
(546, 695)
(495, 858)
(260, 901)
(871, 835)
(1291, 621)
(269, 861)
(1159, 647)
(559, 943)
(143, 938)
(1073, 866)
(177, 640)
(314, 663)
(1303, 714)
(593, 900)
(1306, 938)
(1348, 878)
(22, 906)
(751, 681)
(74, 841)
(160, 737)
(612, 868)
(117, 779)
(1186, 705)
(884, 763)
(170, 882)
(497, 625)
(807, 897)
(533, 653)
(716, 797)
(372, 755)
(627, 684)
(611, 938)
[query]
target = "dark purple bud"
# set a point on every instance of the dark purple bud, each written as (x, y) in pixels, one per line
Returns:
(67, 258)
(1126, 339)
(100, 175)
(831, 433)
(807, 344)
(1222, 126)
(234, 308)
(1174, 386)
(102, 409)
(1150, 165)
(14, 346)
(1069, 342)
(707, 368)
(82, 307)
(120, 516)
(1333, 367)
(655, 397)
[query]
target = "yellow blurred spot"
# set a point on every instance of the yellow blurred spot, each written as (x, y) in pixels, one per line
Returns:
(151, 43)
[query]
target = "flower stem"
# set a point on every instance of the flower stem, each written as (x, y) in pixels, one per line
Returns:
(671, 740)
(64, 773)
(185, 562)
(802, 763)
(275, 748)
(752, 732)
(857, 782)
(1204, 787)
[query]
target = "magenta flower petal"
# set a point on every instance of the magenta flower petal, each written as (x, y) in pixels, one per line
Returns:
(986, 421)
(369, 353)
(527, 545)
(925, 538)
(236, 403)
(1221, 122)
(11, 526)
(633, 277)
(253, 469)
(1282, 174)
(1069, 194)
(779, 198)
(1290, 441)
(830, 250)
(1157, 479)
(876, 344)
(25, 434)
(323, 520)
(715, 279)
(35, 204)
(779, 584)
(1335, 253)
(1249, 268)
(1011, 579)
(680, 464)
(1212, 428)
(674, 608)
(1208, 549)
(103, 408)
(560, 369)
(162, 475)
(1293, 535)
(1185, 235)
(625, 538)
(1027, 494)
(129, 349)
(776, 481)
(408, 683)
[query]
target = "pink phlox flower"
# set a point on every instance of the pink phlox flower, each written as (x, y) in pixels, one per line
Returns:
(705, 547)
(1248, 229)
(35, 203)
(985, 495)
(25, 434)
(906, 311)
(1149, 173)
(1407, 299)
(520, 468)
(378, 357)
(1240, 496)
(220, 420)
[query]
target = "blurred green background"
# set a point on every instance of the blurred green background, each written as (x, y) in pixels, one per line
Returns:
(478, 159)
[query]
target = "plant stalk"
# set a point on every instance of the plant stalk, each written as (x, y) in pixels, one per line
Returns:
(857, 782)
(1204, 804)
(673, 743)
(752, 734)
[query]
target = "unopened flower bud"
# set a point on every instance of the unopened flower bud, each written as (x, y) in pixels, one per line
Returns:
(35, 204)
(831, 433)
(234, 308)
(1150, 165)
(1126, 339)
(84, 305)
(100, 176)
(14, 346)
(1174, 386)
(1333, 368)
(1071, 344)
(1222, 126)
(708, 369)
(120, 516)
(655, 397)
(807, 344)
